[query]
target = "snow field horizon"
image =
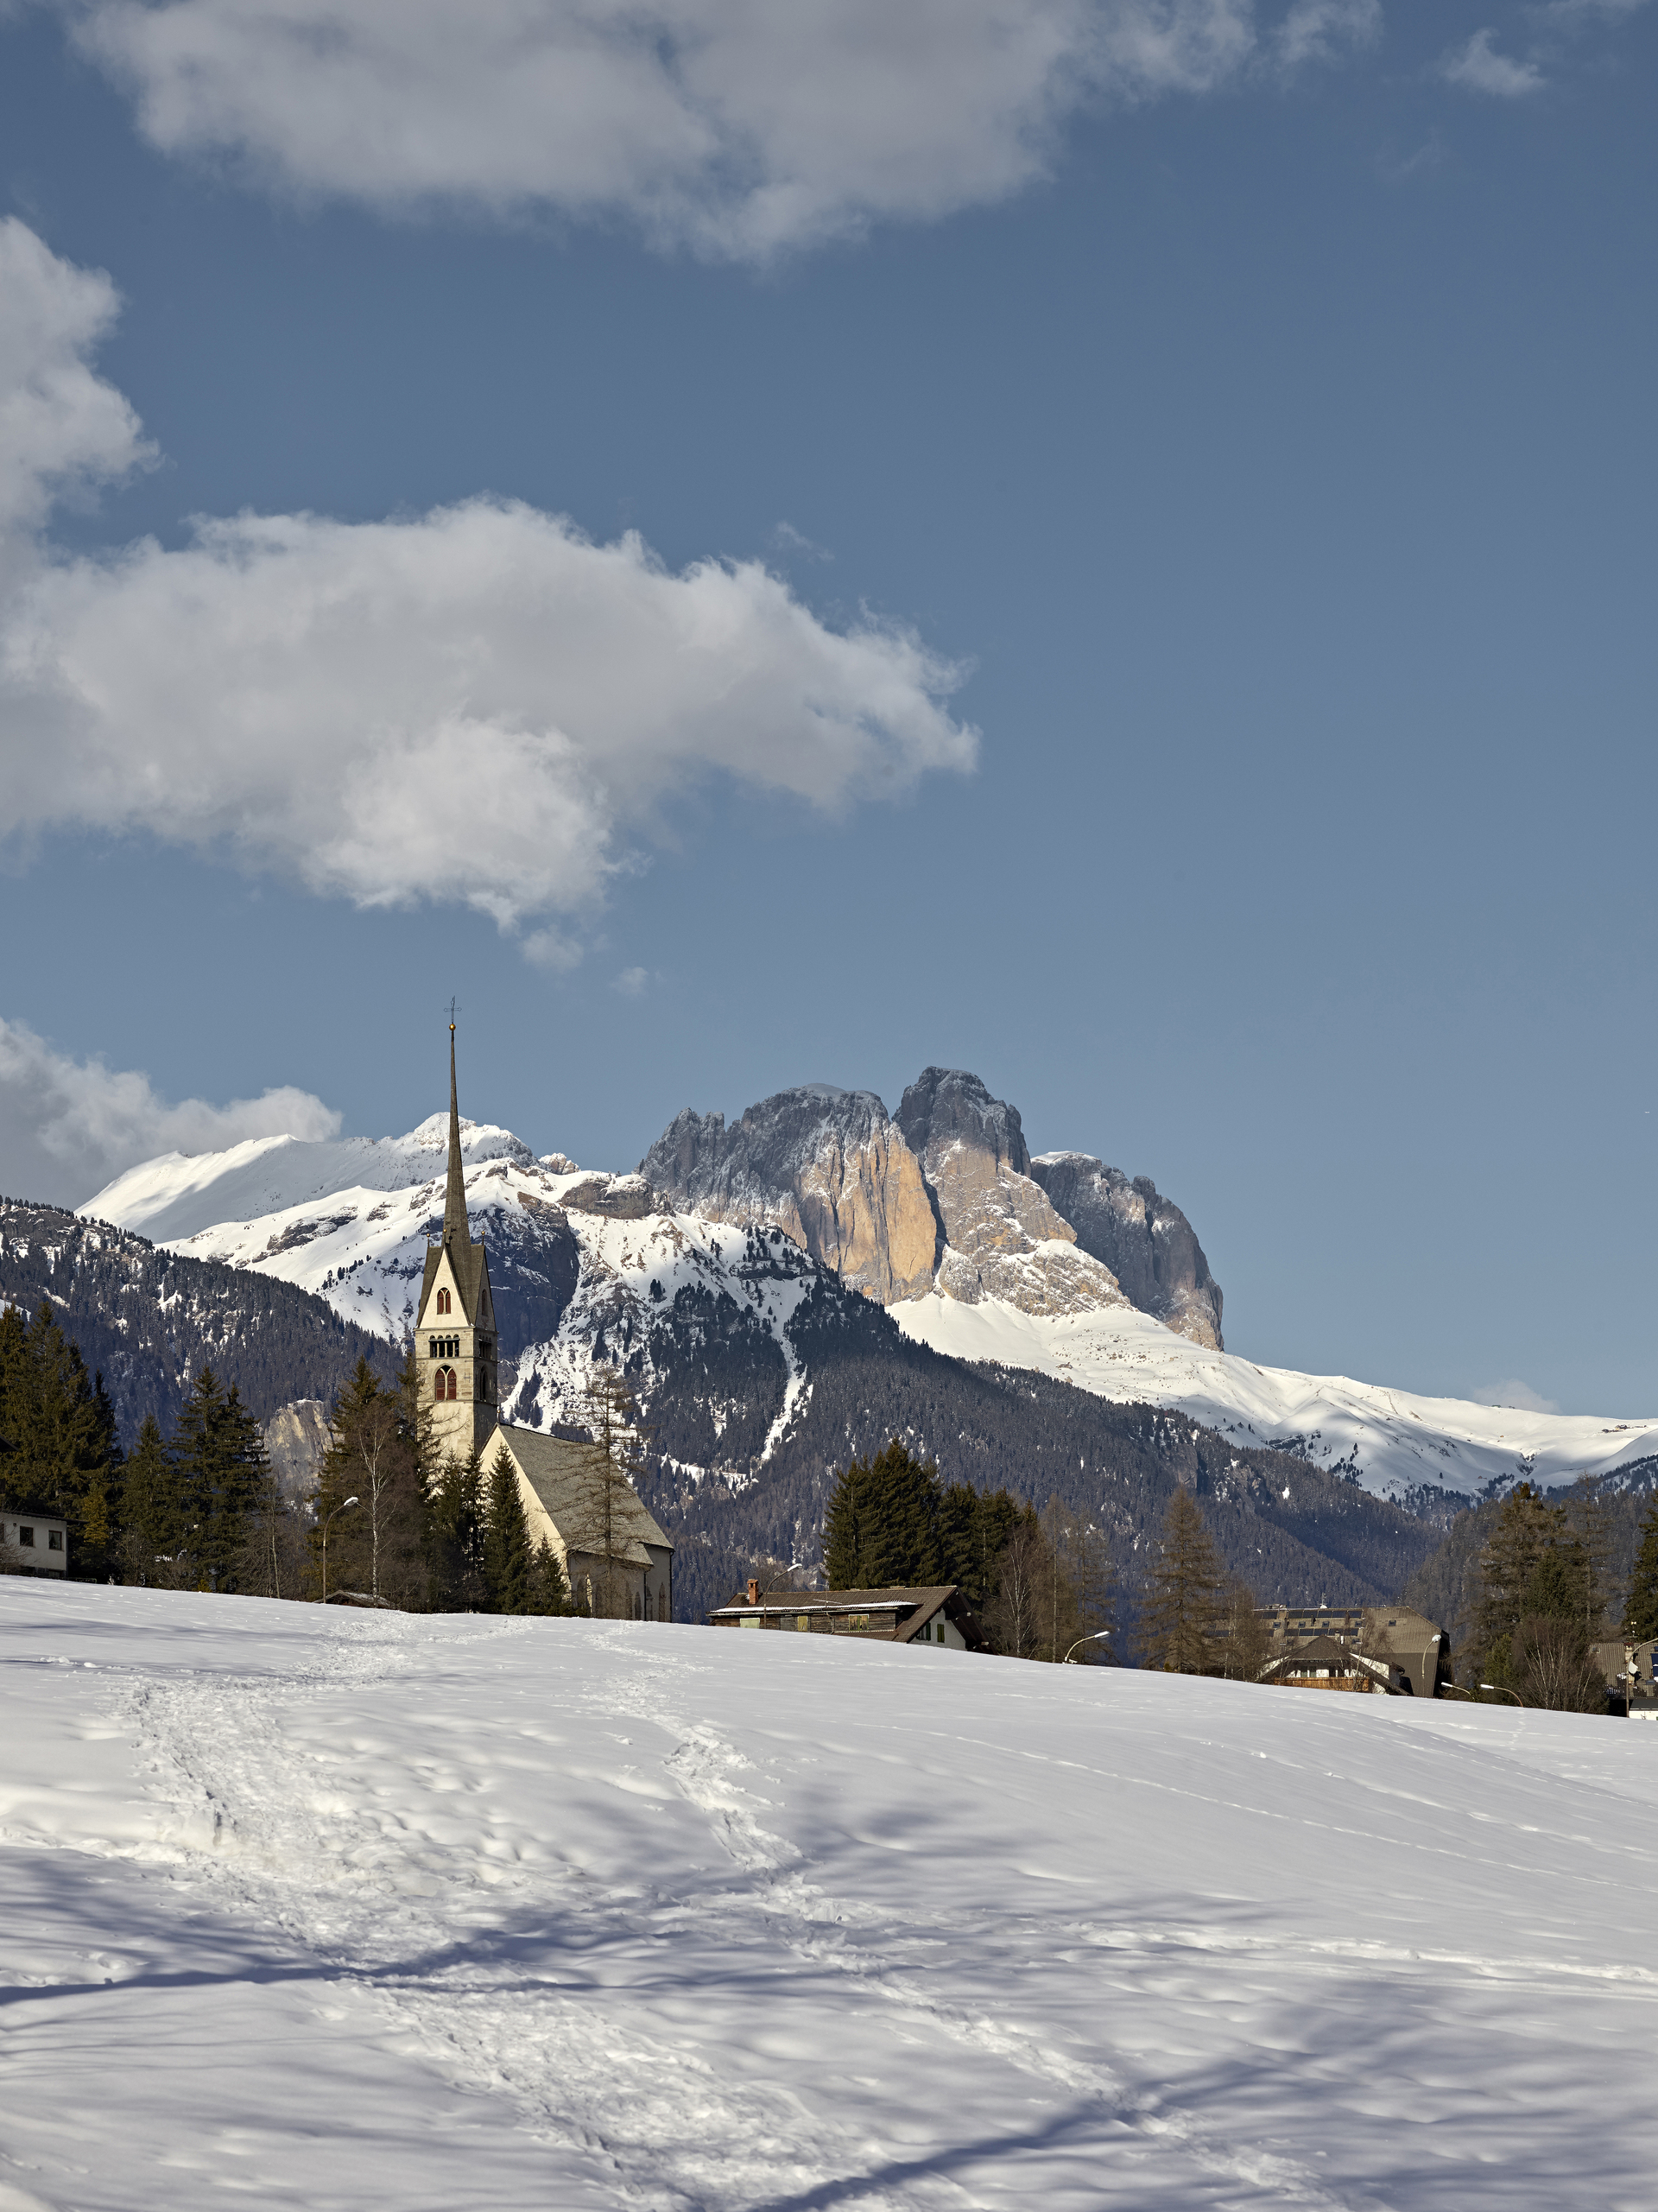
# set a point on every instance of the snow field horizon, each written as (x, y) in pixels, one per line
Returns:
(463, 1911)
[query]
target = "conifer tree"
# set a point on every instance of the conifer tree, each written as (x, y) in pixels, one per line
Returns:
(506, 1541)
(1526, 1527)
(1591, 1527)
(1184, 1592)
(547, 1594)
(1641, 1610)
(58, 1454)
(221, 1456)
(455, 1537)
(882, 1525)
(152, 1507)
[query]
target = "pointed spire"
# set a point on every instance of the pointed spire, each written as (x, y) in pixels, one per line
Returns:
(454, 1201)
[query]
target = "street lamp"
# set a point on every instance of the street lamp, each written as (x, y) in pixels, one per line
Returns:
(1497, 1690)
(1080, 1641)
(343, 1504)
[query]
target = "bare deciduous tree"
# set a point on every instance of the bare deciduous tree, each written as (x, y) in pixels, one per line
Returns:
(619, 1443)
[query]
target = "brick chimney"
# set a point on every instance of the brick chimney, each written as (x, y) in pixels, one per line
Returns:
(754, 1592)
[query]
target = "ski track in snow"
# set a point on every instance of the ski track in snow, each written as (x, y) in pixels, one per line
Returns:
(587, 1914)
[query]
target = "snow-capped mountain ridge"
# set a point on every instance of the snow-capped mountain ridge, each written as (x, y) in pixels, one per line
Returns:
(177, 1193)
(588, 1266)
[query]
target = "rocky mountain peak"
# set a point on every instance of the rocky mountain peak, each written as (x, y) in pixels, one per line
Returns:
(947, 1106)
(945, 1197)
(827, 1166)
(1002, 1237)
(1143, 1238)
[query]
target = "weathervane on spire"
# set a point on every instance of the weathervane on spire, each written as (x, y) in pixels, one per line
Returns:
(452, 1010)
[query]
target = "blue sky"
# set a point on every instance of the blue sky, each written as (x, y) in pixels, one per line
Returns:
(1148, 596)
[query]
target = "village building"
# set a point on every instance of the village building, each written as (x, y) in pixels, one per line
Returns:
(33, 1544)
(1632, 1673)
(1326, 1662)
(614, 1556)
(1413, 1651)
(938, 1616)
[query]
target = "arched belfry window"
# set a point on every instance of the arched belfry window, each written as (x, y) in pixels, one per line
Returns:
(443, 1302)
(443, 1384)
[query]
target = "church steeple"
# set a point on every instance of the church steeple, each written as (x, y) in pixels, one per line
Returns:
(454, 1199)
(455, 1348)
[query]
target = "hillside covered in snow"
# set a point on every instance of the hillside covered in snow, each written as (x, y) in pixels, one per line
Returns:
(312, 1909)
(957, 1236)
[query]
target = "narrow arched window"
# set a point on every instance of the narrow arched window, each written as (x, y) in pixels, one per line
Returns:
(437, 1385)
(450, 1373)
(443, 1302)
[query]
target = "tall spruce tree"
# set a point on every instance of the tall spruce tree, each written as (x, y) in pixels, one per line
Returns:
(1184, 1592)
(547, 1593)
(1641, 1608)
(152, 1508)
(221, 1456)
(455, 1529)
(1526, 1528)
(507, 1562)
(880, 1529)
(59, 1452)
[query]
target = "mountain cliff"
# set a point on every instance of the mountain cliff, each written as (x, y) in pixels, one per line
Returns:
(942, 1199)
(827, 1167)
(1002, 1236)
(1144, 1239)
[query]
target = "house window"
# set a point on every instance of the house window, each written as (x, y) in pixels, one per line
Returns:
(443, 1302)
(26, 1537)
(55, 1539)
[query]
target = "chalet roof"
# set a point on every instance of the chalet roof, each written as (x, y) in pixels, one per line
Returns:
(1329, 1655)
(908, 1606)
(565, 1477)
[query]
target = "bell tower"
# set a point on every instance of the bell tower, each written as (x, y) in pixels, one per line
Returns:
(454, 1331)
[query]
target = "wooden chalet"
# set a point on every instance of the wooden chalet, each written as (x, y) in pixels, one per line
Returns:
(939, 1617)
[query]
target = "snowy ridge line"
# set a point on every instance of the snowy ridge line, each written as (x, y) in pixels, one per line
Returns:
(1395, 1442)
(353, 1220)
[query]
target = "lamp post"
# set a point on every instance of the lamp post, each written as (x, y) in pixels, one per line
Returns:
(1497, 1690)
(343, 1506)
(1080, 1641)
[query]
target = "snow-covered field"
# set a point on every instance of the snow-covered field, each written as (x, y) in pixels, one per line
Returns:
(330, 1908)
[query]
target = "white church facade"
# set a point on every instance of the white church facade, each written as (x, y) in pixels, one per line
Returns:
(613, 1554)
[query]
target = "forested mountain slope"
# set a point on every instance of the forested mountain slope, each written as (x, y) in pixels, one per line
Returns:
(149, 1320)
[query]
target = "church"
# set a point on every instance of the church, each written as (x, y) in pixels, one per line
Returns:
(614, 1556)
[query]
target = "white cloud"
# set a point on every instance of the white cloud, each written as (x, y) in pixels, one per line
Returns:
(1321, 31)
(1477, 67)
(737, 127)
(632, 982)
(477, 704)
(63, 428)
(1514, 1393)
(69, 1126)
